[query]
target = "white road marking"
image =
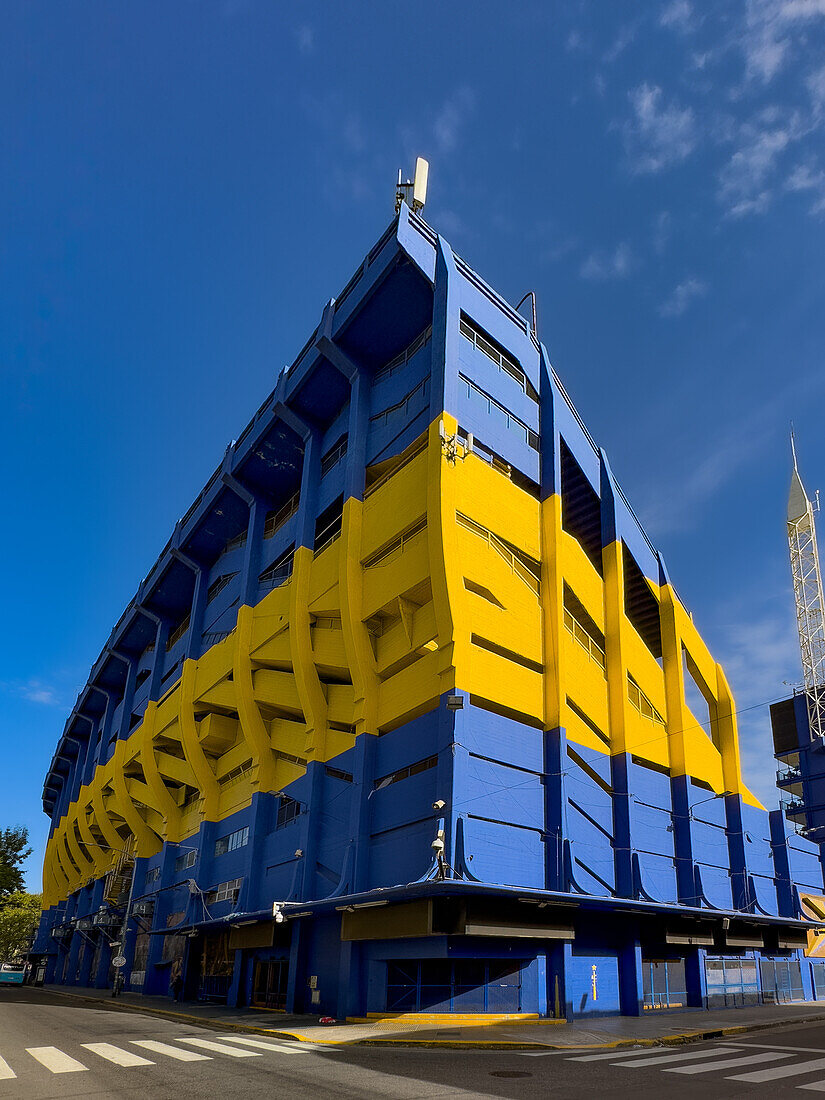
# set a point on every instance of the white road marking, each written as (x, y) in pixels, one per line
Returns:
(219, 1048)
(115, 1054)
(729, 1063)
(614, 1054)
(661, 1059)
(747, 1045)
(6, 1072)
(777, 1072)
(55, 1060)
(170, 1052)
(815, 1086)
(278, 1048)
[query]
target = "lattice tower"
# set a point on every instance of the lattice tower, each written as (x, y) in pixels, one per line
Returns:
(810, 606)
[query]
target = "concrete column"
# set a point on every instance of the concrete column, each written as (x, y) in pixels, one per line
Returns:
(631, 982)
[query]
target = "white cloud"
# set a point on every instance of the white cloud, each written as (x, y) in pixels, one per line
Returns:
(681, 297)
(678, 15)
(816, 89)
(451, 117)
(659, 134)
(35, 691)
(768, 32)
(620, 43)
(807, 178)
(601, 265)
(744, 182)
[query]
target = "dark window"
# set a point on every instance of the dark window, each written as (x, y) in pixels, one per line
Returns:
(178, 633)
(187, 860)
(336, 773)
(334, 455)
(279, 516)
(218, 585)
(640, 605)
(783, 723)
(328, 525)
(405, 773)
(279, 572)
(581, 514)
(288, 810)
(229, 843)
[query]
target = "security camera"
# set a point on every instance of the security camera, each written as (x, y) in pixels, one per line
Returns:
(437, 845)
(277, 914)
(439, 804)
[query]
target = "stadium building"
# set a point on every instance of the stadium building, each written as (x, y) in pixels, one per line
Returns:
(408, 716)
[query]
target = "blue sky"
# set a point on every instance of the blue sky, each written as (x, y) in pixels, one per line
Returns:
(184, 186)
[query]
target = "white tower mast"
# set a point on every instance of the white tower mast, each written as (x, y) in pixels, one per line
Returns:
(810, 605)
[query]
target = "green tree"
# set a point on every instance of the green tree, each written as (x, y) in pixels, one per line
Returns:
(19, 916)
(14, 850)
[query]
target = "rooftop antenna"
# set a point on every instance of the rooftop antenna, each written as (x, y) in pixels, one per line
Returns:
(807, 590)
(414, 189)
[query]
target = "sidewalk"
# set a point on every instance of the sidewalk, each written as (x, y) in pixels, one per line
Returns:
(450, 1031)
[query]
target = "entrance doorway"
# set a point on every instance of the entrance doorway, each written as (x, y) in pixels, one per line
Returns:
(269, 984)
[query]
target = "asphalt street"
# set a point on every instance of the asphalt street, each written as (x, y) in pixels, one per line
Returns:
(51, 1046)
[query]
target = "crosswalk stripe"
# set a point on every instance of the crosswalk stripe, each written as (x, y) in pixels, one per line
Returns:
(6, 1072)
(170, 1052)
(661, 1059)
(115, 1054)
(279, 1048)
(55, 1060)
(776, 1072)
(219, 1048)
(614, 1054)
(729, 1063)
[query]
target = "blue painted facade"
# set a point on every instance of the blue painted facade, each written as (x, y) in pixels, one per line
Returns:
(575, 881)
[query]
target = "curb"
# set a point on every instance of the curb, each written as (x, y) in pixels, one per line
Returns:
(678, 1039)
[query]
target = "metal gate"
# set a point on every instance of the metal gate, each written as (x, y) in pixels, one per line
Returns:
(461, 985)
(664, 984)
(781, 980)
(731, 982)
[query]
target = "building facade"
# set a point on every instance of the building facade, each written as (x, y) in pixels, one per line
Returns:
(408, 715)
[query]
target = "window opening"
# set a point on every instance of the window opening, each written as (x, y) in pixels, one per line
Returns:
(405, 773)
(232, 841)
(178, 633)
(328, 525)
(496, 353)
(640, 605)
(405, 356)
(225, 891)
(288, 810)
(582, 626)
(641, 702)
(334, 455)
(581, 514)
(279, 572)
(511, 422)
(279, 516)
(217, 586)
(187, 860)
